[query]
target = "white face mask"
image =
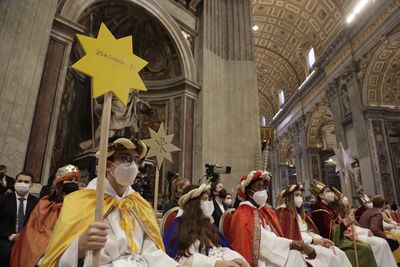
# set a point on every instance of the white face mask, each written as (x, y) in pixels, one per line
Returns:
(260, 197)
(369, 205)
(207, 207)
(298, 201)
(345, 201)
(22, 188)
(125, 173)
(228, 202)
(330, 197)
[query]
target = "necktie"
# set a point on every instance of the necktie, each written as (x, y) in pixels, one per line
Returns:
(21, 215)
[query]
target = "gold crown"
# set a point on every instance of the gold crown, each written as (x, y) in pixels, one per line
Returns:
(364, 199)
(317, 187)
(338, 194)
(66, 173)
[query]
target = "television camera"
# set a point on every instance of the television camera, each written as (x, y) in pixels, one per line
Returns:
(213, 171)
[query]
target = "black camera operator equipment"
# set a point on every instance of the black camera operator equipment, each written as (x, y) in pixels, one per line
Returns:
(213, 172)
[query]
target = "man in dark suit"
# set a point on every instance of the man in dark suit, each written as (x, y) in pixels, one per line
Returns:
(6, 182)
(15, 209)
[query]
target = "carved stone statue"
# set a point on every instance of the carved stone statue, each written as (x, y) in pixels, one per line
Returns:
(356, 173)
(345, 101)
(124, 119)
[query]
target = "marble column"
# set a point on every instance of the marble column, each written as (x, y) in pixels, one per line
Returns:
(381, 159)
(227, 123)
(299, 137)
(350, 78)
(24, 33)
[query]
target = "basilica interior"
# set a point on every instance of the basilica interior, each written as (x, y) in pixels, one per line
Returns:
(276, 85)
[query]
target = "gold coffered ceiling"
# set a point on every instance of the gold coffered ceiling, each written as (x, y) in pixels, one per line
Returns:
(287, 29)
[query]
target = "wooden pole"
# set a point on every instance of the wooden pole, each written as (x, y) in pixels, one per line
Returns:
(350, 204)
(157, 178)
(105, 129)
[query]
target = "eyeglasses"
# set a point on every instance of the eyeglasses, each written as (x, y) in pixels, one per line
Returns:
(128, 158)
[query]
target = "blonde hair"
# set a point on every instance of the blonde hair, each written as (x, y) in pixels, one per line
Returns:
(178, 182)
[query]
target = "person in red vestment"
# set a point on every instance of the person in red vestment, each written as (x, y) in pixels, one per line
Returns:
(33, 240)
(255, 231)
(298, 225)
(366, 203)
(333, 226)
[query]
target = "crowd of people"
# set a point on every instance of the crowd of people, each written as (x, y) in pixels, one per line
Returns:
(59, 229)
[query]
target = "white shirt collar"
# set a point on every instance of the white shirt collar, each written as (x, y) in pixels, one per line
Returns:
(18, 196)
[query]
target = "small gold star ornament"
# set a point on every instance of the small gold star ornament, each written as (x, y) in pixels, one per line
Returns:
(160, 145)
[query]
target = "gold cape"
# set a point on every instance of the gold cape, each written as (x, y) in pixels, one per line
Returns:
(78, 212)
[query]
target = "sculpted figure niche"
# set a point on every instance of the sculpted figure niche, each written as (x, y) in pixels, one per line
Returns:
(356, 175)
(345, 100)
(124, 119)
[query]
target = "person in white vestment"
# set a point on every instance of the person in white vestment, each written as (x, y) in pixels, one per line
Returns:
(298, 225)
(129, 236)
(193, 240)
(255, 231)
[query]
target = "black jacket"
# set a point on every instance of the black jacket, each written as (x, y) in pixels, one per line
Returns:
(217, 214)
(9, 185)
(8, 213)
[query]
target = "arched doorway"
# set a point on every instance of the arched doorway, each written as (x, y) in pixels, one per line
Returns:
(169, 78)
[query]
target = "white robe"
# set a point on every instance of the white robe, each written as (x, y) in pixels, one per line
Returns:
(275, 251)
(380, 247)
(332, 256)
(116, 252)
(200, 259)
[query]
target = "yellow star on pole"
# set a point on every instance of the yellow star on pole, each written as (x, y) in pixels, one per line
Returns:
(111, 64)
(160, 145)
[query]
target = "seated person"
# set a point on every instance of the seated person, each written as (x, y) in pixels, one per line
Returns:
(15, 209)
(177, 187)
(255, 236)
(129, 235)
(228, 201)
(309, 202)
(366, 203)
(382, 253)
(387, 218)
(218, 196)
(35, 236)
(192, 239)
(298, 225)
(332, 226)
(372, 219)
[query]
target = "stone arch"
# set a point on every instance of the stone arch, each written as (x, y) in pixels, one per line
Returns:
(381, 86)
(72, 10)
(320, 116)
(286, 150)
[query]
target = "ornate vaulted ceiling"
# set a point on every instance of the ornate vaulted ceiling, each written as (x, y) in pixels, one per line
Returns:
(287, 29)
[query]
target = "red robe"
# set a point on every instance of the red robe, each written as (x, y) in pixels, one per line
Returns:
(35, 236)
(290, 224)
(324, 218)
(245, 230)
(359, 212)
(273, 220)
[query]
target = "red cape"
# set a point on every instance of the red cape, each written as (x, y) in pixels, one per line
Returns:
(244, 233)
(324, 218)
(272, 220)
(290, 225)
(35, 236)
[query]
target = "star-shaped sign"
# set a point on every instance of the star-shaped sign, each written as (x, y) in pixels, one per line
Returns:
(111, 64)
(160, 145)
(342, 159)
